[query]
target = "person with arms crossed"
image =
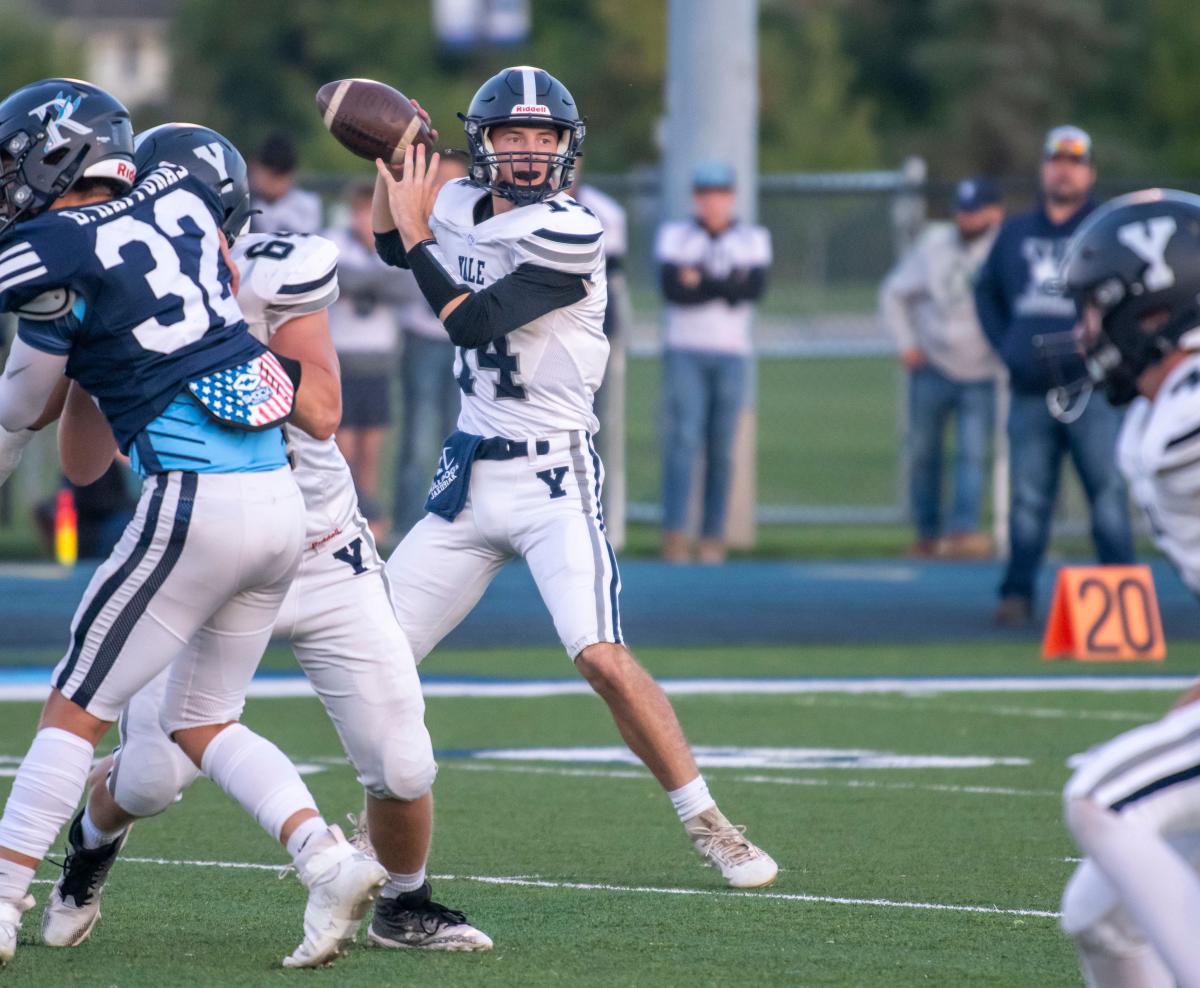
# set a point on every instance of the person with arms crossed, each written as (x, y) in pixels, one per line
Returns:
(927, 303)
(713, 269)
(515, 270)
(1133, 804)
(337, 613)
(133, 298)
(1019, 310)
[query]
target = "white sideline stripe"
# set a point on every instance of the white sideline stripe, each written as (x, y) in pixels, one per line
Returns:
(776, 780)
(652, 890)
(282, 687)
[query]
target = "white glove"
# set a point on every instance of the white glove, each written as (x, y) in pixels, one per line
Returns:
(12, 445)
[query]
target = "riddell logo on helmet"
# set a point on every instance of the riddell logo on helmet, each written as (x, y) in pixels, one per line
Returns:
(532, 108)
(126, 171)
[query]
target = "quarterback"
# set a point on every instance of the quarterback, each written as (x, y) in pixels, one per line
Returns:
(514, 268)
(1133, 805)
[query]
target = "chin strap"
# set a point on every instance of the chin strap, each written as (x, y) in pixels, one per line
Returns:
(1069, 402)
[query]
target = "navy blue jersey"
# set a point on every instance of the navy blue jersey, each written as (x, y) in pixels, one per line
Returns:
(134, 291)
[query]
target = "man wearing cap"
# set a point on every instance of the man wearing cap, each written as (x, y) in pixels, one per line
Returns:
(1018, 307)
(927, 303)
(713, 270)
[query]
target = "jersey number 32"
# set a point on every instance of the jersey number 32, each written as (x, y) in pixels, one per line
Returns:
(202, 295)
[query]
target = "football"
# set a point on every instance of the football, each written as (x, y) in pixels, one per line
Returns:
(371, 119)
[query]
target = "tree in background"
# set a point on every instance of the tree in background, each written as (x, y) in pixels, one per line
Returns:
(811, 117)
(1005, 71)
(30, 48)
(262, 76)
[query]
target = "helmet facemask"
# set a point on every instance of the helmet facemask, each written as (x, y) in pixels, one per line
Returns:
(488, 164)
(1120, 335)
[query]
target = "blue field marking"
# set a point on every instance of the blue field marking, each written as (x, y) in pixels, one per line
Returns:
(740, 603)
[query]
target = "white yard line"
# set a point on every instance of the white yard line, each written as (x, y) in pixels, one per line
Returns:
(910, 704)
(524, 882)
(23, 686)
(778, 780)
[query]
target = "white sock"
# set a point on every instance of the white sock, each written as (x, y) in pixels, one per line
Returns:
(310, 828)
(15, 880)
(93, 836)
(46, 791)
(398, 884)
(692, 800)
(258, 775)
(1157, 886)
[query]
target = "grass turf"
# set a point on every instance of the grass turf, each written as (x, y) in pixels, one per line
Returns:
(906, 835)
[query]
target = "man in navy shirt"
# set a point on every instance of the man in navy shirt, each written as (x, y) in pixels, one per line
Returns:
(1019, 308)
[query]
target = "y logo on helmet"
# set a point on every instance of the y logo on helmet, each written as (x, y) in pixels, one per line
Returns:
(1149, 241)
(63, 107)
(212, 156)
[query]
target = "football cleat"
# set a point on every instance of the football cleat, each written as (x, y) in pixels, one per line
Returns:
(10, 926)
(74, 906)
(724, 846)
(341, 883)
(414, 921)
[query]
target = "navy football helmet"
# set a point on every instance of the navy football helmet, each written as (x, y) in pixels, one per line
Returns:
(210, 157)
(54, 133)
(523, 96)
(1133, 268)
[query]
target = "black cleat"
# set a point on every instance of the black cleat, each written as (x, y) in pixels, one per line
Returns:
(414, 921)
(74, 906)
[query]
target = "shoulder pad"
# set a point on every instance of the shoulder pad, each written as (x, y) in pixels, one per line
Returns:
(52, 304)
(293, 272)
(567, 239)
(456, 200)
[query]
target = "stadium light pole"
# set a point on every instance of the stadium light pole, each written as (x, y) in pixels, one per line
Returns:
(712, 113)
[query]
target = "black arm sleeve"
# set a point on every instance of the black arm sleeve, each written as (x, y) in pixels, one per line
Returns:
(390, 249)
(516, 299)
(677, 292)
(743, 286)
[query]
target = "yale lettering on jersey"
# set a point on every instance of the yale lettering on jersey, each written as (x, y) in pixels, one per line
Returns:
(470, 269)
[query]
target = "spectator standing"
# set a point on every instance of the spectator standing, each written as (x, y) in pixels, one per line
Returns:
(713, 269)
(1018, 304)
(927, 303)
(283, 207)
(428, 390)
(363, 325)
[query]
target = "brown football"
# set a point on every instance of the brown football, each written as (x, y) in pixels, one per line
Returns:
(370, 119)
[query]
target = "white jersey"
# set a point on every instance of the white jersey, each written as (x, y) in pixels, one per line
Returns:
(1159, 454)
(284, 276)
(539, 379)
(715, 325)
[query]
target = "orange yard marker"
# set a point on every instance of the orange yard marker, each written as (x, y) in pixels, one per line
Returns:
(66, 530)
(1104, 614)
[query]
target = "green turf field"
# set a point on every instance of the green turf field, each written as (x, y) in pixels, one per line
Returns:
(581, 874)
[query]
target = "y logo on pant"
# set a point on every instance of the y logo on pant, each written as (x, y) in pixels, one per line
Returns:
(554, 480)
(351, 554)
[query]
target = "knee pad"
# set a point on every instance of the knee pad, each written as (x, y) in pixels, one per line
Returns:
(402, 767)
(148, 773)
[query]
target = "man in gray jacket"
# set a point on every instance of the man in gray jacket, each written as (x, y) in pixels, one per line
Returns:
(927, 304)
